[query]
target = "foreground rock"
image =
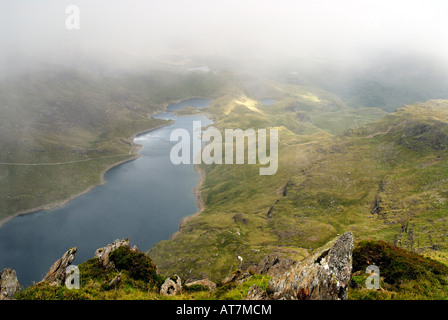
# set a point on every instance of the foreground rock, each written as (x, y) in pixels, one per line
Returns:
(256, 293)
(9, 284)
(172, 286)
(58, 271)
(322, 276)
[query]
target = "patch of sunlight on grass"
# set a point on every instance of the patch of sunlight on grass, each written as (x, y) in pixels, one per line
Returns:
(310, 97)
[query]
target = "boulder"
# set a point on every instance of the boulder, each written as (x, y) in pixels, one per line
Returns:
(9, 284)
(172, 286)
(204, 282)
(324, 275)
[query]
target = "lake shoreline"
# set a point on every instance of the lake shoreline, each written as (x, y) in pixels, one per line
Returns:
(199, 202)
(133, 155)
(62, 203)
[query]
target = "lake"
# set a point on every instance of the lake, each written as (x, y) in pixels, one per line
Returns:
(143, 200)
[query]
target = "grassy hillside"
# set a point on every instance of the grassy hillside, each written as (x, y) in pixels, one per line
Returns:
(381, 176)
(249, 215)
(385, 180)
(404, 275)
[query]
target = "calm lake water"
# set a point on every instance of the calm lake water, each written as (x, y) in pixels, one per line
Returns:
(143, 200)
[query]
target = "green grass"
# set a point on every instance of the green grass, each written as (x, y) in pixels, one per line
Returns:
(336, 181)
(239, 291)
(383, 177)
(404, 274)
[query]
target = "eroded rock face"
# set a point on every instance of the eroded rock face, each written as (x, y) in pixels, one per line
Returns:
(57, 273)
(323, 276)
(9, 284)
(172, 286)
(103, 253)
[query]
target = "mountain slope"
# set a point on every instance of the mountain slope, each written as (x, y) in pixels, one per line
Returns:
(385, 180)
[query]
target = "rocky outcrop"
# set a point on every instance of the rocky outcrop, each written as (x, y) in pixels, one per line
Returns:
(272, 265)
(323, 276)
(204, 282)
(103, 253)
(172, 286)
(9, 284)
(57, 273)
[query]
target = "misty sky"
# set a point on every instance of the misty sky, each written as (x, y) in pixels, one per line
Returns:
(35, 31)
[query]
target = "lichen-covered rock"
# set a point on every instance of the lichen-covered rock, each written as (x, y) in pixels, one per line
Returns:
(323, 276)
(256, 293)
(204, 282)
(172, 286)
(9, 284)
(57, 273)
(103, 253)
(272, 265)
